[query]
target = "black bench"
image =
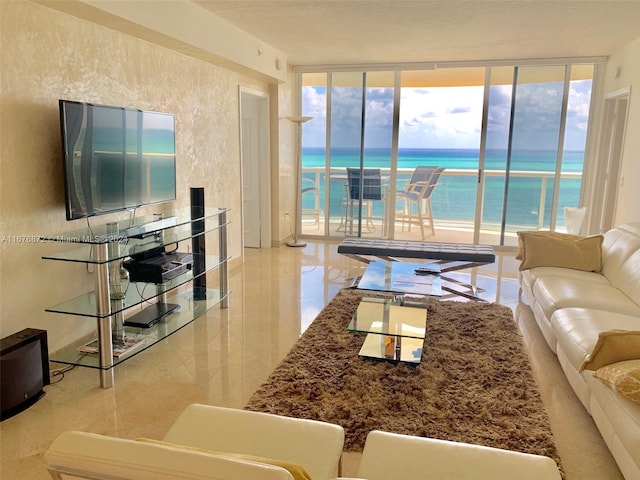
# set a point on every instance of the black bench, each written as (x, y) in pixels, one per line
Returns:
(450, 256)
(469, 254)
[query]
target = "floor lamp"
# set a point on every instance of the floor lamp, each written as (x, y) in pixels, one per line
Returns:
(298, 218)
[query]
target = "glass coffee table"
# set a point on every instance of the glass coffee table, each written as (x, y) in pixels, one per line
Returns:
(394, 331)
(402, 277)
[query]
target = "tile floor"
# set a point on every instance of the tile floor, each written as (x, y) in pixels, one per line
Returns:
(222, 357)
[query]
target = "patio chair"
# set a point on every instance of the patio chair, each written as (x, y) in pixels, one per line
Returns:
(418, 191)
(372, 191)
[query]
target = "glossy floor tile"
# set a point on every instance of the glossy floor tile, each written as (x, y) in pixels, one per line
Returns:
(222, 358)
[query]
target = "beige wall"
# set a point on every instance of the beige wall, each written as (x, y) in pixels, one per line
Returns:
(47, 55)
(627, 60)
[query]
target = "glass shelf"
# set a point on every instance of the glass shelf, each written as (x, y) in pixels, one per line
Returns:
(190, 309)
(137, 293)
(104, 234)
(107, 246)
(130, 246)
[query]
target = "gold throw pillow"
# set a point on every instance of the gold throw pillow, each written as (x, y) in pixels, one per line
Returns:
(539, 233)
(551, 249)
(622, 377)
(613, 346)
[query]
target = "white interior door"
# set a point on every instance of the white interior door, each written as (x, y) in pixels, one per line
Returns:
(250, 185)
(610, 156)
(255, 169)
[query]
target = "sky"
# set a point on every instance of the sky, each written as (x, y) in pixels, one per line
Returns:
(449, 117)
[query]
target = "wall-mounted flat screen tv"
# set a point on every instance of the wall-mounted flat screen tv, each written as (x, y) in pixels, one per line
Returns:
(115, 158)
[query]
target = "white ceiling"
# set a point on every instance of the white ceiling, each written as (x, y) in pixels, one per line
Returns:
(320, 32)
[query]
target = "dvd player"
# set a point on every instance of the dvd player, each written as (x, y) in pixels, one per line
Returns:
(159, 269)
(151, 315)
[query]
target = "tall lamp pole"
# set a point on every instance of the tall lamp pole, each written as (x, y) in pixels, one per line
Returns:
(298, 219)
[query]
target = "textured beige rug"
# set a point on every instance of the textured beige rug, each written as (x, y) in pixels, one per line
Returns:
(474, 383)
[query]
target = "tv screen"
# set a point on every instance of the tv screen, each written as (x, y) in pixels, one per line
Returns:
(115, 158)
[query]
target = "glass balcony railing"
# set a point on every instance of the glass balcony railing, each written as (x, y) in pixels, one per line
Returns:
(454, 201)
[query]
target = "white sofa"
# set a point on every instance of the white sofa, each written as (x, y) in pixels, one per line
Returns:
(572, 308)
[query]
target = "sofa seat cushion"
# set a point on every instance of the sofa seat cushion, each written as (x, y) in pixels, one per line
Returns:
(554, 293)
(577, 330)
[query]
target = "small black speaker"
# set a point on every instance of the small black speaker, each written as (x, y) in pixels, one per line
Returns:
(24, 363)
(198, 244)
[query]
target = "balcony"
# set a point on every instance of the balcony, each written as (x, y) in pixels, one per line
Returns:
(453, 203)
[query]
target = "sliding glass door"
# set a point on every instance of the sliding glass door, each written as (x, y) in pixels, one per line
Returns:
(534, 156)
(510, 142)
(357, 137)
(440, 125)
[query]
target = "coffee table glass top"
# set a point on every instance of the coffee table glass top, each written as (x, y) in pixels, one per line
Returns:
(401, 277)
(394, 332)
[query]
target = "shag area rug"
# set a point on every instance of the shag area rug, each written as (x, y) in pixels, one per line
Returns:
(474, 383)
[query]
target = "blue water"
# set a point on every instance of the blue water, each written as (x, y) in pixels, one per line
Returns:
(455, 196)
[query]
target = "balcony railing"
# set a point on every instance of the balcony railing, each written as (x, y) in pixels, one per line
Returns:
(453, 200)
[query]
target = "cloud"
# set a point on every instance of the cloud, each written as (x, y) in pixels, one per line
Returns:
(455, 110)
(314, 101)
(449, 117)
(440, 117)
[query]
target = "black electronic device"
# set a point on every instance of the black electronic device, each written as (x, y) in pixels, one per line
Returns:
(198, 243)
(151, 315)
(141, 252)
(115, 158)
(24, 363)
(149, 229)
(158, 269)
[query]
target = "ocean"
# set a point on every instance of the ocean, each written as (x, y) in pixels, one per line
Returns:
(455, 196)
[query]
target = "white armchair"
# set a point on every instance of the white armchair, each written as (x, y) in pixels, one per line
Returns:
(391, 456)
(206, 442)
(98, 457)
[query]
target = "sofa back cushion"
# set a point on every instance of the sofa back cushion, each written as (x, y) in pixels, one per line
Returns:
(621, 259)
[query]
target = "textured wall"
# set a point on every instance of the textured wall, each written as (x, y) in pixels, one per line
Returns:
(47, 55)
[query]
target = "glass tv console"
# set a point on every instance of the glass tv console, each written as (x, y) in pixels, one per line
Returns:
(105, 247)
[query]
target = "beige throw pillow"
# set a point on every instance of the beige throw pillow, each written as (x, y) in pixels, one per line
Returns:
(622, 377)
(539, 233)
(613, 346)
(552, 249)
